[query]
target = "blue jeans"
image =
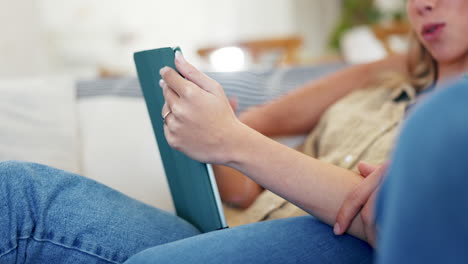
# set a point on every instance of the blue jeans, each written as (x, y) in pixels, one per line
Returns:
(50, 216)
(423, 204)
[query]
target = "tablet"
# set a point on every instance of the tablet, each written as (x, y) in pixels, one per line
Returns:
(192, 184)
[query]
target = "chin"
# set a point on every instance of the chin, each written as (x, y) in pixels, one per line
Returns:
(448, 54)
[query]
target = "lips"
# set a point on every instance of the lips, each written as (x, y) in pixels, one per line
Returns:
(432, 31)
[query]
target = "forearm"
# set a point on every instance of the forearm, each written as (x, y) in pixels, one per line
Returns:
(215, 135)
(299, 111)
(315, 186)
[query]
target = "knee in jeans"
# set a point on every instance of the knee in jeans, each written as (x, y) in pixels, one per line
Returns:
(17, 171)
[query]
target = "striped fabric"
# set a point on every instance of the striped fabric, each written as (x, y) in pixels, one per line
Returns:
(250, 87)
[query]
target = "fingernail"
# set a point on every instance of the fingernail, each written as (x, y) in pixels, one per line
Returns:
(161, 83)
(179, 57)
(163, 70)
(337, 229)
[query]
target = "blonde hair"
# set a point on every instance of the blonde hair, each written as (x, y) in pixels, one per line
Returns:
(422, 67)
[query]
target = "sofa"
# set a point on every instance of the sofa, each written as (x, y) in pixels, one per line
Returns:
(100, 128)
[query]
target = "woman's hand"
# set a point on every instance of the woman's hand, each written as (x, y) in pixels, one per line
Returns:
(362, 200)
(199, 120)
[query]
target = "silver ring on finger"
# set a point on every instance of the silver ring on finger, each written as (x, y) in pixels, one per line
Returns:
(166, 115)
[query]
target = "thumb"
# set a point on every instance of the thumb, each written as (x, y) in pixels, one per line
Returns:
(365, 168)
(194, 75)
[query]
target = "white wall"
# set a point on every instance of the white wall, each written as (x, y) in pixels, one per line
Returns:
(107, 31)
(315, 20)
(22, 49)
(264, 18)
(85, 34)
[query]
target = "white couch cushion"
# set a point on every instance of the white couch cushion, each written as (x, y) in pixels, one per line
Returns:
(38, 122)
(119, 148)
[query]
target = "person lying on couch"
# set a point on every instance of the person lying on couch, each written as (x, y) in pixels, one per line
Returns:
(349, 122)
(51, 216)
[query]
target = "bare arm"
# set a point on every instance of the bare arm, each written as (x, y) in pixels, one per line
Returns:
(315, 186)
(202, 125)
(297, 113)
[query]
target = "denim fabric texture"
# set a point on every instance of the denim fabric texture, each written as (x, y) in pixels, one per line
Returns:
(301, 239)
(51, 216)
(422, 209)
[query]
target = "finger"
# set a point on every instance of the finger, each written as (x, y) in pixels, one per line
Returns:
(365, 168)
(350, 208)
(383, 171)
(167, 133)
(181, 86)
(353, 203)
(165, 110)
(357, 199)
(194, 75)
(368, 219)
(170, 96)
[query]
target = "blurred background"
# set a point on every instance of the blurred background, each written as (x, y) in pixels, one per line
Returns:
(69, 96)
(90, 38)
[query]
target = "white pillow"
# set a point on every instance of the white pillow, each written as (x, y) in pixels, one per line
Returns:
(38, 121)
(120, 150)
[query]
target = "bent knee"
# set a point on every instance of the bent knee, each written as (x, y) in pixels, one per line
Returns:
(13, 166)
(18, 172)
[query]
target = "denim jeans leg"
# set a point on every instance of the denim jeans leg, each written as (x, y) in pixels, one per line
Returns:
(293, 240)
(51, 216)
(423, 204)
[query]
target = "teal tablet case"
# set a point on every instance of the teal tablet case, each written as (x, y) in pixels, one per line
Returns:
(189, 181)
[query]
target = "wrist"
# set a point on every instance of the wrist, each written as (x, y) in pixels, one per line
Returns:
(237, 147)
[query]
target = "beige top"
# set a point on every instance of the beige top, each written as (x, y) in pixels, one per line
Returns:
(360, 127)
